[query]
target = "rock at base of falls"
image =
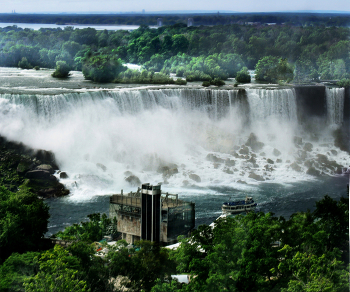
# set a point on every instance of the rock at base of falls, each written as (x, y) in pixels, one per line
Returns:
(168, 171)
(63, 175)
(253, 143)
(270, 161)
(308, 147)
(195, 177)
(296, 167)
(276, 152)
(133, 180)
(211, 157)
(244, 150)
(313, 171)
(46, 167)
(256, 177)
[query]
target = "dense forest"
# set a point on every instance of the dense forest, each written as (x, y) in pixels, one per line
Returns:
(278, 53)
(296, 19)
(257, 252)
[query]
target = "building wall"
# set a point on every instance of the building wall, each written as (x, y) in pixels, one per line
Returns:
(129, 224)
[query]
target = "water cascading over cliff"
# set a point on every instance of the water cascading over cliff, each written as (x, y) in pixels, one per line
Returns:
(177, 136)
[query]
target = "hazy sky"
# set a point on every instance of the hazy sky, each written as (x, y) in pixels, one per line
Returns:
(22, 6)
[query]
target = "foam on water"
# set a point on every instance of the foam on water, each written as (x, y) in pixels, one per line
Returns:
(140, 130)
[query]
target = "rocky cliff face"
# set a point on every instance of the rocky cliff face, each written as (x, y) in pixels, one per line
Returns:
(22, 167)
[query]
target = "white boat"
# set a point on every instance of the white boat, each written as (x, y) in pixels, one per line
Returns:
(236, 207)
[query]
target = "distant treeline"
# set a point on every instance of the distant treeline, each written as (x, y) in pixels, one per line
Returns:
(278, 52)
(297, 19)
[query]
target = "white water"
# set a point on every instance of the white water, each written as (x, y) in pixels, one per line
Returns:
(139, 130)
(335, 105)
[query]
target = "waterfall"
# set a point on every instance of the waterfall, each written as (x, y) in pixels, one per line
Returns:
(138, 130)
(279, 103)
(335, 105)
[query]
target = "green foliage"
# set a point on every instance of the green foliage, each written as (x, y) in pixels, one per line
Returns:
(144, 77)
(93, 230)
(24, 64)
(314, 273)
(273, 69)
(57, 272)
(142, 266)
(102, 68)
(16, 268)
(62, 70)
(344, 83)
(23, 222)
(180, 81)
(243, 76)
(217, 82)
(37, 68)
(206, 83)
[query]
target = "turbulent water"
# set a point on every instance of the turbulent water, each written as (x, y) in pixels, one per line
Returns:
(101, 137)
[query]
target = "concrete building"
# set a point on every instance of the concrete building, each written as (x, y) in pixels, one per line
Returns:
(149, 214)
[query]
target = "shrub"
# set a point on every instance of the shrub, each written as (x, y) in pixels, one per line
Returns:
(217, 82)
(62, 70)
(180, 72)
(37, 68)
(24, 64)
(102, 68)
(180, 81)
(206, 83)
(243, 76)
(344, 83)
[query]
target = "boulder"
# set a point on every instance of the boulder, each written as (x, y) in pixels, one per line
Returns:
(63, 174)
(46, 167)
(230, 162)
(244, 150)
(38, 174)
(168, 171)
(302, 154)
(229, 171)
(278, 160)
(256, 177)
(313, 171)
(276, 152)
(295, 166)
(241, 182)
(253, 143)
(133, 180)
(211, 157)
(270, 161)
(195, 177)
(308, 147)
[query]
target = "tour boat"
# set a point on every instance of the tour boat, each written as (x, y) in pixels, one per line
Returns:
(236, 207)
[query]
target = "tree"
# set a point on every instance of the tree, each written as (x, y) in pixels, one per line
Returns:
(24, 64)
(23, 222)
(273, 69)
(314, 273)
(93, 230)
(58, 272)
(243, 76)
(16, 268)
(62, 70)
(102, 68)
